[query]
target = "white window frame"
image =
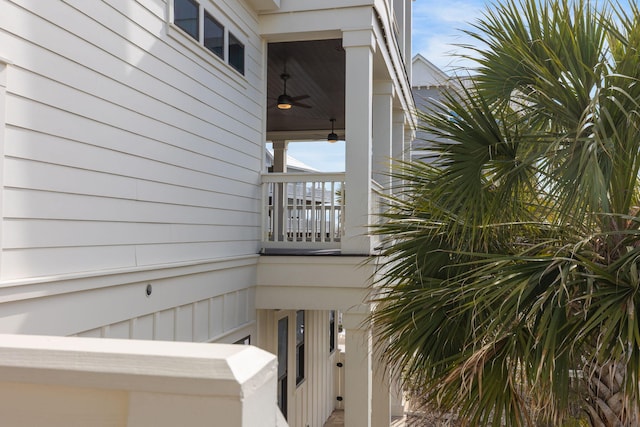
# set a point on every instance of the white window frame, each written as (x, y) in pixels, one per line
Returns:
(198, 47)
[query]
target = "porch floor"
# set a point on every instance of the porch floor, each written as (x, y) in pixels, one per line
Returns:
(337, 420)
(300, 252)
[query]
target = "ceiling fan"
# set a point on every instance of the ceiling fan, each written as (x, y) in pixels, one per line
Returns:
(285, 102)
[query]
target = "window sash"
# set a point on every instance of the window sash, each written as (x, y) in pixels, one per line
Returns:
(213, 35)
(186, 15)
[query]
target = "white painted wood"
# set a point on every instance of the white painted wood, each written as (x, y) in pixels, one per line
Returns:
(309, 403)
(152, 316)
(123, 147)
(358, 377)
(426, 75)
(131, 157)
(106, 382)
(265, 4)
(303, 210)
(358, 106)
(3, 92)
(24, 404)
(382, 137)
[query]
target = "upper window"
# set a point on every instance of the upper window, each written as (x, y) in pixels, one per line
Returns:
(212, 34)
(185, 16)
(236, 54)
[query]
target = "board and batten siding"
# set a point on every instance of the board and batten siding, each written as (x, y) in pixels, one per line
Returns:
(311, 402)
(128, 149)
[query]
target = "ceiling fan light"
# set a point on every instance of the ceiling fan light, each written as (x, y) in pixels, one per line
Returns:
(284, 102)
(332, 137)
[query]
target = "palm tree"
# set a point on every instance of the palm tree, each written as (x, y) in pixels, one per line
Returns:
(509, 276)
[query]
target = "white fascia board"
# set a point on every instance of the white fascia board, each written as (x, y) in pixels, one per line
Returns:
(325, 23)
(262, 5)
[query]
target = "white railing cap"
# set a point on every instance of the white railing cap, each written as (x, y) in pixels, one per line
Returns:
(156, 366)
(303, 176)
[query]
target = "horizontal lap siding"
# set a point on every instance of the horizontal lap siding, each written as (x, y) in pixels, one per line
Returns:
(124, 148)
(183, 307)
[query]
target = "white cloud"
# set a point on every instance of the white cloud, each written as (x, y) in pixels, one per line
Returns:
(448, 12)
(437, 30)
(319, 155)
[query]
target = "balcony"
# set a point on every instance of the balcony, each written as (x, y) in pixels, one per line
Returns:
(305, 213)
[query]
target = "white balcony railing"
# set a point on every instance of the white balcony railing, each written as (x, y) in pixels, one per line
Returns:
(303, 210)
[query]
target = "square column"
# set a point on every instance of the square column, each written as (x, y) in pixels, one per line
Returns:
(280, 155)
(381, 392)
(400, 147)
(358, 371)
(279, 196)
(359, 47)
(382, 132)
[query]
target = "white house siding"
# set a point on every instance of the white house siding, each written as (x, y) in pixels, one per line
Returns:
(313, 401)
(131, 157)
(316, 399)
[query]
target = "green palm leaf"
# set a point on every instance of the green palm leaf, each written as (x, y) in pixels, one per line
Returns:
(510, 254)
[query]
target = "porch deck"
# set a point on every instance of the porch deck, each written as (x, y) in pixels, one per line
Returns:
(301, 252)
(337, 420)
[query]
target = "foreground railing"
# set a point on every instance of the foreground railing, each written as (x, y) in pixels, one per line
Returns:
(60, 381)
(303, 210)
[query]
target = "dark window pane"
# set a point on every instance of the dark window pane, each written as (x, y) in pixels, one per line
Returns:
(236, 54)
(185, 16)
(300, 327)
(283, 338)
(299, 346)
(245, 341)
(299, 364)
(332, 331)
(213, 35)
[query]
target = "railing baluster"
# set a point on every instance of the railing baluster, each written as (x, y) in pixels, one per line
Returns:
(303, 210)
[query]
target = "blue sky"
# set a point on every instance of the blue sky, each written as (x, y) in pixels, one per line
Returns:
(436, 25)
(437, 28)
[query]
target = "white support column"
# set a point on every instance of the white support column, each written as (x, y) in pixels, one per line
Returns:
(381, 393)
(279, 196)
(358, 371)
(397, 397)
(280, 155)
(401, 149)
(359, 46)
(382, 132)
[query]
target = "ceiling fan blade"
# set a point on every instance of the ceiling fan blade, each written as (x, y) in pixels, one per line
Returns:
(299, 97)
(300, 104)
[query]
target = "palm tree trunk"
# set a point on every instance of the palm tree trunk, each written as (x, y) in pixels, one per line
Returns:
(606, 404)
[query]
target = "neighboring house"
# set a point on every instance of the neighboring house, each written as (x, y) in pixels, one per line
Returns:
(428, 85)
(136, 201)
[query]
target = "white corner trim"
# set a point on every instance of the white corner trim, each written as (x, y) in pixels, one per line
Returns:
(5, 61)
